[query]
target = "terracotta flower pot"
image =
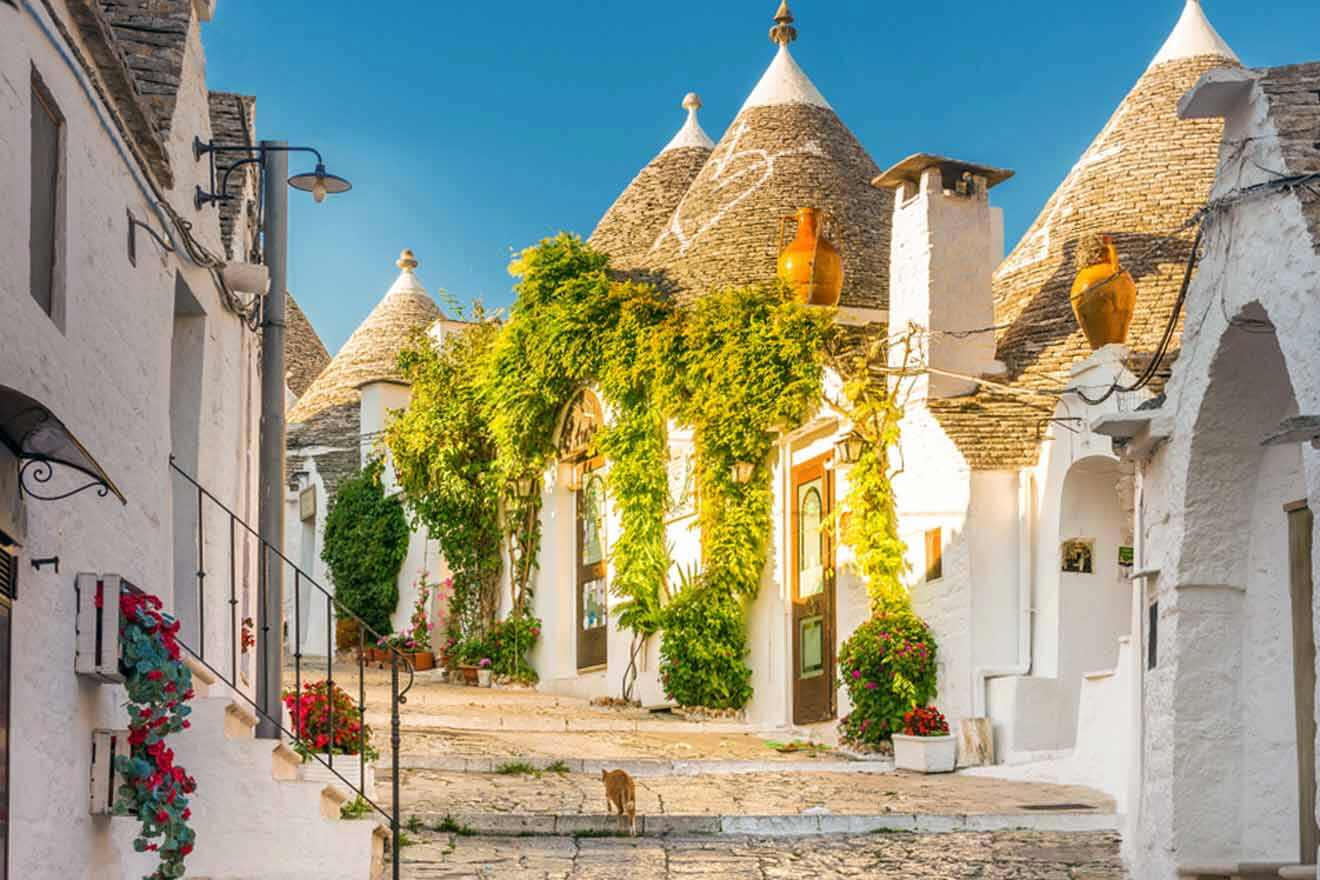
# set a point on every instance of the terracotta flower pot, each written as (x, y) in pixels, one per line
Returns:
(422, 660)
(469, 675)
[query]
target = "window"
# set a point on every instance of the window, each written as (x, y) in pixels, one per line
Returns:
(1152, 637)
(934, 554)
(46, 214)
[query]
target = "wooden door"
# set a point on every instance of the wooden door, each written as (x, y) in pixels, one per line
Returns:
(1301, 524)
(592, 585)
(813, 594)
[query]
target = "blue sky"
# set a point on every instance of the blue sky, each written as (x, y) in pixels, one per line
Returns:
(473, 129)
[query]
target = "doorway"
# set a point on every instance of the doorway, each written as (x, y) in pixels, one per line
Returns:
(1301, 524)
(813, 672)
(187, 350)
(592, 583)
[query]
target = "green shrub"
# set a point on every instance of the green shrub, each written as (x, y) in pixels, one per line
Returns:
(703, 650)
(888, 667)
(509, 643)
(366, 540)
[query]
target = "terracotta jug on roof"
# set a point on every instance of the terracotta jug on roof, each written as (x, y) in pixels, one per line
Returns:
(811, 263)
(1104, 296)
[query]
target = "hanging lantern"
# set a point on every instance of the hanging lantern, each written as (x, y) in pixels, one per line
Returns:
(523, 486)
(851, 448)
(742, 472)
(811, 263)
(1104, 296)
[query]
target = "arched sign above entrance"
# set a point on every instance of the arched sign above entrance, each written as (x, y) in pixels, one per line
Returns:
(583, 419)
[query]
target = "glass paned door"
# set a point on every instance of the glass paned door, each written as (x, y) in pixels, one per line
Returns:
(592, 585)
(813, 593)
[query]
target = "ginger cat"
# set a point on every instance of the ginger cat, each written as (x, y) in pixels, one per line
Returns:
(621, 794)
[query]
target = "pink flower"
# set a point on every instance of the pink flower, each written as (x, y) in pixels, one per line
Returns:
(856, 674)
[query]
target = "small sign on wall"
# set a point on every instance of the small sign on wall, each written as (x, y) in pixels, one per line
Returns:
(1079, 556)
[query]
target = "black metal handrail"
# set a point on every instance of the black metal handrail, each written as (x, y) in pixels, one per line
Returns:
(267, 554)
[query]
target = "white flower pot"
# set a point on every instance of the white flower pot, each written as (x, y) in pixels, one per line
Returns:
(483, 678)
(925, 754)
(347, 766)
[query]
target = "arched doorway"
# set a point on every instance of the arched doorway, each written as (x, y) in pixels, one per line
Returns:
(586, 479)
(1242, 642)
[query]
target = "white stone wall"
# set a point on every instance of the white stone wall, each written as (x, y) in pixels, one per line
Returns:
(1217, 705)
(106, 374)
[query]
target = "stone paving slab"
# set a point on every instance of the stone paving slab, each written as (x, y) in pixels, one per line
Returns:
(761, 794)
(985, 856)
(501, 824)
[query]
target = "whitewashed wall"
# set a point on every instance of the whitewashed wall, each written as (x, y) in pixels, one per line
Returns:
(1215, 687)
(106, 374)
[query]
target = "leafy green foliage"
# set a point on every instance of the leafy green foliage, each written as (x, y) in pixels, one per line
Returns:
(704, 648)
(444, 458)
(876, 411)
(888, 667)
(366, 540)
(752, 361)
(508, 644)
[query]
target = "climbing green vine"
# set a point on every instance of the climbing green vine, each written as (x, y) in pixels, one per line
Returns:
(444, 458)
(872, 395)
(737, 367)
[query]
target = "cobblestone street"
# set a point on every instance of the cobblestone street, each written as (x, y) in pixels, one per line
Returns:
(1001, 856)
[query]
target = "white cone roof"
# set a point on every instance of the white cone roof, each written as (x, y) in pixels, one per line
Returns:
(691, 134)
(1193, 35)
(784, 82)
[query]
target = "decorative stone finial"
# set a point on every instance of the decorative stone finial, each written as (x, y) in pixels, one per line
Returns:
(407, 262)
(783, 32)
(692, 102)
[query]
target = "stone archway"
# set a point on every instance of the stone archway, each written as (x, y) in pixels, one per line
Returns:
(1235, 745)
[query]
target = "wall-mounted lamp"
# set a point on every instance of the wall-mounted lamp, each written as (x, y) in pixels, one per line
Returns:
(318, 182)
(742, 471)
(850, 449)
(523, 486)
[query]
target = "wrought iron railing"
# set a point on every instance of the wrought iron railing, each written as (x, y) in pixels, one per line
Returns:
(269, 559)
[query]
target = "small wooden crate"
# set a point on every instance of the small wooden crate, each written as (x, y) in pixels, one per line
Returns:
(99, 644)
(107, 745)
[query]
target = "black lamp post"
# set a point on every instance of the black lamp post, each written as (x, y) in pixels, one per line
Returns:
(272, 160)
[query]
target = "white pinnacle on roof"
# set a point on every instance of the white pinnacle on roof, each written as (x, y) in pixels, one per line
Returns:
(1193, 36)
(691, 134)
(407, 281)
(785, 82)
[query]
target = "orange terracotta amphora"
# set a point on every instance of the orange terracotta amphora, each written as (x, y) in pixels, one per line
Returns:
(811, 263)
(1104, 296)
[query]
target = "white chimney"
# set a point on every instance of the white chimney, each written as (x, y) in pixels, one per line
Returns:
(947, 242)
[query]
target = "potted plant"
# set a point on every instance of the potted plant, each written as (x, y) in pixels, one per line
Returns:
(314, 711)
(925, 744)
(418, 639)
(484, 672)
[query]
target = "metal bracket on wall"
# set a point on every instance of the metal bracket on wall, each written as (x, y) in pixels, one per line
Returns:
(133, 224)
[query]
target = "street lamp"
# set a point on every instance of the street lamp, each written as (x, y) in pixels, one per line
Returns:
(271, 158)
(319, 184)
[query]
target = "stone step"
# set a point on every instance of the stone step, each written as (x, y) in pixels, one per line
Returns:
(516, 824)
(638, 767)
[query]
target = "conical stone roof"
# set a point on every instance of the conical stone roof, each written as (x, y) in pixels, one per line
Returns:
(787, 149)
(631, 225)
(305, 356)
(1143, 177)
(371, 354)
(325, 424)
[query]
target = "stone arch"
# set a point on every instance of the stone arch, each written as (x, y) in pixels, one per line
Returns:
(1093, 604)
(1230, 620)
